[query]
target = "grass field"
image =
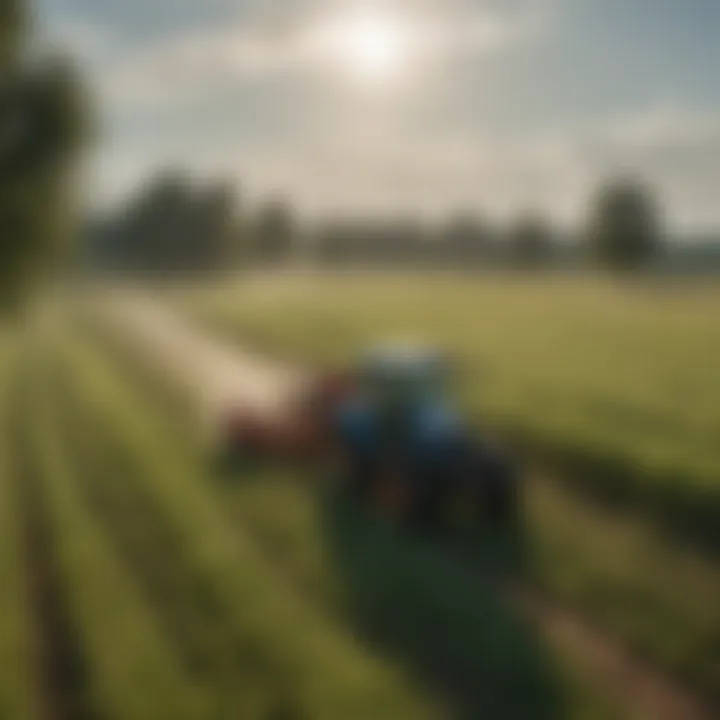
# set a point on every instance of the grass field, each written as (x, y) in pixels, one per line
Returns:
(613, 386)
(658, 598)
(138, 583)
(616, 384)
(412, 607)
(155, 598)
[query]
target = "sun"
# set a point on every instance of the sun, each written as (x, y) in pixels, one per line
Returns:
(372, 45)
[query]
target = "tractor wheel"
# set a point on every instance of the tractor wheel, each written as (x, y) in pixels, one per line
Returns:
(427, 508)
(390, 496)
(463, 510)
(501, 491)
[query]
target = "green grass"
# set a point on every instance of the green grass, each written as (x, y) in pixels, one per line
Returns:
(417, 608)
(618, 570)
(302, 663)
(618, 385)
(656, 597)
(17, 690)
(132, 673)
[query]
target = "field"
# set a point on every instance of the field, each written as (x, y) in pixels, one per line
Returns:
(618, 386)
(611, 389)
(139, 583)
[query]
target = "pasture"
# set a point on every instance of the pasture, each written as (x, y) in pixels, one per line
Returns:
(615, 384)
(140, 583)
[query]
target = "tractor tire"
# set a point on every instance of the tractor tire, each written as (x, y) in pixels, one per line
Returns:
(427, 507)
(500, 487)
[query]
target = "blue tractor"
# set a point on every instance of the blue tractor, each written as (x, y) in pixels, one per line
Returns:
(406, 451)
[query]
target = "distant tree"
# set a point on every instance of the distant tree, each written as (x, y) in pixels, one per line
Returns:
(464, 238)
(274, 231)
(530, 240)
(625, 226)
(217, 213)
(173, 225)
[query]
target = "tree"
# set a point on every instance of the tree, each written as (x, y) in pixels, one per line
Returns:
(216, 218)
(530, 240)
(13, 22)
(274, 231)
(465, 238)
(43, 122)
(173, 225)
(625, 225)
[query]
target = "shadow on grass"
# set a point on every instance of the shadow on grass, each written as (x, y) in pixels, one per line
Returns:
(421, 603)
(435, 607)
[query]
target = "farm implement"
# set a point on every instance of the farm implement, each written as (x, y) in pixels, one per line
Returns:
(389, 424)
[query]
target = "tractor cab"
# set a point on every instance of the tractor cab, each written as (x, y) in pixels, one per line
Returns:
(399, 402)
(407, 449)
(400, 379)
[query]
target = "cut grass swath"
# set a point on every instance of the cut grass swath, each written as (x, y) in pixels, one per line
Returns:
(657, 598)
(614, 384)
(17, 683)
(132, 675)
(431, 608)
(313, 668)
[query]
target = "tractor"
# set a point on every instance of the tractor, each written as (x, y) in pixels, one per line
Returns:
(407, 453)
(399, 446)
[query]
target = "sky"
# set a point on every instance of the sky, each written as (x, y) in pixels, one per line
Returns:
(406, 106)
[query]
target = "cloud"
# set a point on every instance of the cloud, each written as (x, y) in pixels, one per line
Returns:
(337, 165)
(676, 148)
(259, 98)
(296, 46)
(501, 173)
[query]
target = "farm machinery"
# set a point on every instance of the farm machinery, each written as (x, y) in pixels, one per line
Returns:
(399, 445)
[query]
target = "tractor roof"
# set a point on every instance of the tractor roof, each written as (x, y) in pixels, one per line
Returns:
(403, 357)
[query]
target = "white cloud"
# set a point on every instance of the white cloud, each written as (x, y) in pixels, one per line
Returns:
(381, 168)
(348, 153)
(174, 70)
(500, 173)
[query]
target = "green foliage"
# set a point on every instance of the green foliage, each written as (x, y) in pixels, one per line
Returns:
(464, 239)
(172, 226)
(625, 225)
(274, 232)
(44, 115)
(12, 25)
(530, 240)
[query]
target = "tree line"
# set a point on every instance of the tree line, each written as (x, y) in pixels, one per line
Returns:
(175, 225)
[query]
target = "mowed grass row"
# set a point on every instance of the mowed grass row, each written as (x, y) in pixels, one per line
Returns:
(17, 680)
(185, 614)
(617, 570)
(192, 618)
(616, 383)
(310, 666)
(415, 606)
(129, 672)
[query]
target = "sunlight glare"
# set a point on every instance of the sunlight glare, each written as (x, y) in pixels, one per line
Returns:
(373, 45)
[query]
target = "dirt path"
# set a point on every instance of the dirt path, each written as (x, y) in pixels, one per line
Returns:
(223, 375)
(219, 375)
